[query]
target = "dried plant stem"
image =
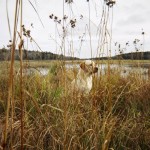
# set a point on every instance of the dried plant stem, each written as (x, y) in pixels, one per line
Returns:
(8, 19)
(108, 76)
(65, 109)
(90, 29)
(21, 79)
(11, 79)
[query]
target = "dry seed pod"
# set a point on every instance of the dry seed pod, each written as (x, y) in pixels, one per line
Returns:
(9, 45)
(55, 18)
(59, 21)
(69, 1)
(110, 3)
(28, 32)
(65, 17)
(24, 34)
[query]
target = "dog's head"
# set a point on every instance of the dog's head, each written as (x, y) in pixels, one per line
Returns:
(89, 67)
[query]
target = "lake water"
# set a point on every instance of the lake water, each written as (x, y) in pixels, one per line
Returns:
(125, 69)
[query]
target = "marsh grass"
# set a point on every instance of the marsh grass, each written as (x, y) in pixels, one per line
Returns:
(42, 113)
(54, 118)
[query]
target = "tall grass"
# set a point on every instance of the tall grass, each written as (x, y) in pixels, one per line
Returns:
(54, 119)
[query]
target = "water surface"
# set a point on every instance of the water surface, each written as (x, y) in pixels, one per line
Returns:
(142, 71)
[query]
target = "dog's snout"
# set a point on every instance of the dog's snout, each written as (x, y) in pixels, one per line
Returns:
(95, 69)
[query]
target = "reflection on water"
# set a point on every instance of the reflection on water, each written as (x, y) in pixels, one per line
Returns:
(124, 70)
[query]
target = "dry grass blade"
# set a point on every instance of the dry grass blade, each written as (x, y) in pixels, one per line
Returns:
(8, 19)
(55, 108)
(36, 105)
(89, 130)
(108, 136)
(36, 12)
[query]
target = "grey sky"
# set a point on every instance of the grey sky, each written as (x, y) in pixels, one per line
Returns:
(129, 17)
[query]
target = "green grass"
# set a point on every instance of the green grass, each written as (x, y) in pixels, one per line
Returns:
(115, 115)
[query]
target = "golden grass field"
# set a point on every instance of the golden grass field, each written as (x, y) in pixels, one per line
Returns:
(115, 115)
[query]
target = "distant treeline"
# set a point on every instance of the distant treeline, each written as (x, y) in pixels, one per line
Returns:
(132, 56)
(36, 55)
(5, 54)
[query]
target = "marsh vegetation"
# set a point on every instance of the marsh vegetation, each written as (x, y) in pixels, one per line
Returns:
(41, 112)
(114, 115)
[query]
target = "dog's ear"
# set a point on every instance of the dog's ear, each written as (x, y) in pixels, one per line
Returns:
(82, 65)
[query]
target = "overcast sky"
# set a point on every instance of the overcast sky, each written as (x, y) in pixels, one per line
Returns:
(129, 18)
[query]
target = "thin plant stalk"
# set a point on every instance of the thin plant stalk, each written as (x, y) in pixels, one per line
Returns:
(90, 29)
(21, 79)
(65, 109)
(8, 19)
(11, 79)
